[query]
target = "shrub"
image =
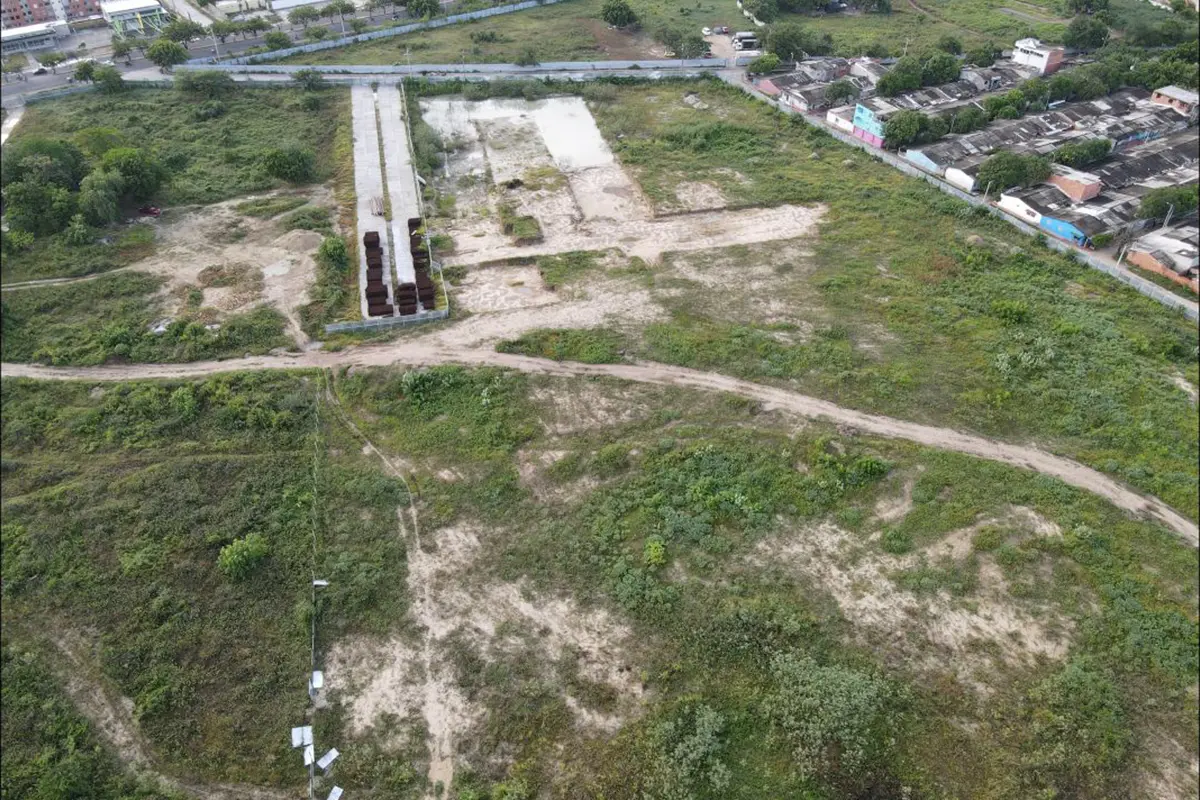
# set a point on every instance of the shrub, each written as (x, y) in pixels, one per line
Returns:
(618, 13)
(209, 84)
(768, 62)
(210, 109)
(689, 755)
(333, 253)
(241, 557)
(839, 721)
(292, 164)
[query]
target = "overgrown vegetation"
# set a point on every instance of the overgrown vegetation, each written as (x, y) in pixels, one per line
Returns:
(598, 346)
(111, 319)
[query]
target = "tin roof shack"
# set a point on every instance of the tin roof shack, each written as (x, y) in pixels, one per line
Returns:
(869, 69)
(1173, 253)
(1049, 209)
(1185, 101)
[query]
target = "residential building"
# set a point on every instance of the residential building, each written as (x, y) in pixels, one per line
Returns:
(869, 69)
(1049, 209)
(1173, 253)
(29, 38)
(1045, 59)
(23, 13)
(134, 17)
(1185, 101)
(1075, 184)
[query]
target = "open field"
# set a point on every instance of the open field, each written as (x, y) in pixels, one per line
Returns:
(589, 573)
(989, 334)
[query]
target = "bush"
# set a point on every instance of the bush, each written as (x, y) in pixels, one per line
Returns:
(210, 109)
(839, 721)
(209, 84)
(768, 62)
(277, 40)
(241, 557)
(292, 164)
(618, 13)
(333, 253)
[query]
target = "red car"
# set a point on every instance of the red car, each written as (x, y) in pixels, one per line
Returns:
(150, 211)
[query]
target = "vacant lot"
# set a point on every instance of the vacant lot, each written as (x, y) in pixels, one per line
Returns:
(590, 584)
(994, 334)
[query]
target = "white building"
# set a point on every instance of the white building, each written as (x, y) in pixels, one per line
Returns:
(1041, 57)
(134, 17)
(27, 38)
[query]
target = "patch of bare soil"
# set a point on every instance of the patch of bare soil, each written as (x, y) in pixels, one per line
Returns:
(859, 579)
(238, 262)
(621, 45)
(894, 509)
(566, 410)
(699, 196)
(1187, 387)
(1173, 774)
(503, 289)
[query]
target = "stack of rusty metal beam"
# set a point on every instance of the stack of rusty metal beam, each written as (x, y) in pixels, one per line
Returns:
(420, 256)
(376, 291)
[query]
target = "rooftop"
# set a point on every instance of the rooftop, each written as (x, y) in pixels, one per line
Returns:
(128, 6)
(1180, 94)
(1179, 246)
(40, 29)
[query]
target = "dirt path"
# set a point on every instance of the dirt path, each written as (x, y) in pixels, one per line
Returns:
(113, 718)
(9, 287)
(439, 696)
(421, 353)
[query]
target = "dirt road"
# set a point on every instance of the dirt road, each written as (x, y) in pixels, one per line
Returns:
(420, 353)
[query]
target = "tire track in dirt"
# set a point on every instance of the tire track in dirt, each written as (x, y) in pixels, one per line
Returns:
(423, 353)
(114, 722)
(434, 707)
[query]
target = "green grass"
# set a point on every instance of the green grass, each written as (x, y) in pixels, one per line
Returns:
(269, 206)
(563, 268)
(116, 505)
(597, 346)
(944, 356)
(109, 319)
(209, 160)
(54, 258)
(309, 218)
(117, 502)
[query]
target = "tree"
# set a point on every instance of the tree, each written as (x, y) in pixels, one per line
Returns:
(423, 8)
(1157, 202)
(277, 40)
(762, 10)
(1005, 170)
(983, 56)
(768, 62)
(1083, 154)
(375, 5)
(141, 173)
(940, 68)
(241, 557)
(840, 91)
(183, 30)
(1086, 6)
(618, 13)
(904, 128)
(1085, 33)
(968, 119)
(904, 76)
(62, 163)
(342, 8)
(788, 40)
(38, 208)
(78, 233)
(692, 45)
(358, 25)
(948, 44)
(254, 26)
(209, 84)
(109, 80)
(223, 29)
(310, 80)
(100, 197)
(122, 48)
(333, 253)
(165, 54)
(13, 65)
(292, 164)
(316, 34)
(86, 71)
(51, 60)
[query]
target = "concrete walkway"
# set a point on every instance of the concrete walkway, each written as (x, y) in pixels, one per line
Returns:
(10, 122)
(368, 183)
(401, 180)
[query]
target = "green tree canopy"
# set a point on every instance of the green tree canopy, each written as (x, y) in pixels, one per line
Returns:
(100, 197)
(1005, 170)
(67, 162)
(618, 13)
(209, 84)
(277, 40)
(940, 68)
(904, 76)
(1086, 33)
(141, 173)
(165, 53)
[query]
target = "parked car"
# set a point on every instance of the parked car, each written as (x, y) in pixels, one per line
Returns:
(40, 71)
(724, 30)
(706, 31)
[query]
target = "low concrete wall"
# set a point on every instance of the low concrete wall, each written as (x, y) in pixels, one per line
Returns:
(486, 70)
(381, 323)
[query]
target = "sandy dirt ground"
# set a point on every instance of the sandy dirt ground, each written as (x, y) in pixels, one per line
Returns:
(236, 263)
(428, 350)
(595, 207)
(862, 582)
